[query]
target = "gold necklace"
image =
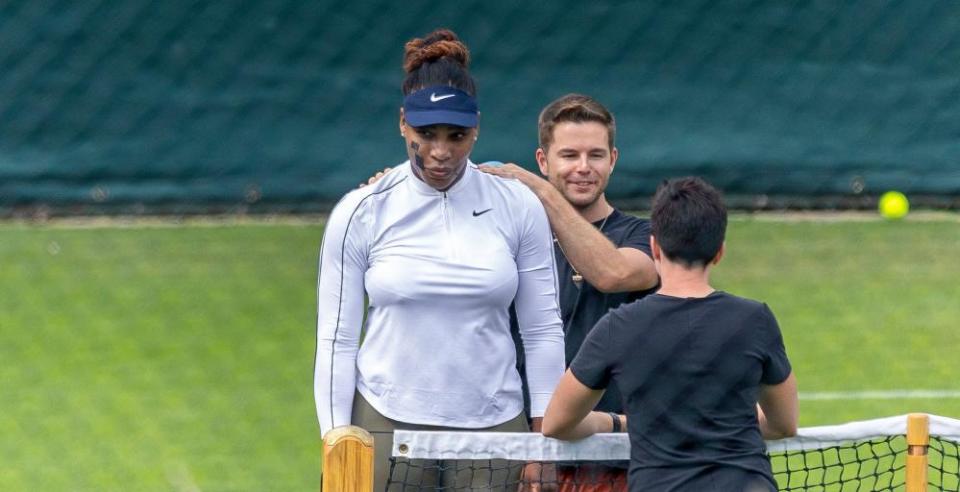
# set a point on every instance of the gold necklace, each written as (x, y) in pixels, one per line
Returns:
(576, 277)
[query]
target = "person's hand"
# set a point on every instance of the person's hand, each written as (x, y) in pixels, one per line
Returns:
(376, 177)
(513, 171)
(538, 477)
(508, 170)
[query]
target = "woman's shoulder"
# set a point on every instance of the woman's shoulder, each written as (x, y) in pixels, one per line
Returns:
(744, 303)
(645, 304)
(359, 197)
(511, 189)
(388, 181)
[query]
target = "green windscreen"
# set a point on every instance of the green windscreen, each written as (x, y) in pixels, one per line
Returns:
(286, 104)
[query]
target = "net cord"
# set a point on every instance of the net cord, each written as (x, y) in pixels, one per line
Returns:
(529, 446)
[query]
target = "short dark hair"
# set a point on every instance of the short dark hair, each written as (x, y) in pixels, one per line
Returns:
(574, 108)
(688, 220)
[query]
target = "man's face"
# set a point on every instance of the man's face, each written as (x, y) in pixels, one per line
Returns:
(579, 161)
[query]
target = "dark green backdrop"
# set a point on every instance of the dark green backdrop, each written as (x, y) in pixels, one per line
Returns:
(289, 103)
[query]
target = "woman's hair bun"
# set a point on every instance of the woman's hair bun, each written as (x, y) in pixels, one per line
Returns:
(434, 46)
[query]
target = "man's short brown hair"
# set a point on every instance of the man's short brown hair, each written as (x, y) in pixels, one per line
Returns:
(574, 108)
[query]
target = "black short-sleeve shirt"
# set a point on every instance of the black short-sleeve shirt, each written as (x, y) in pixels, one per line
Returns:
(690, 370)
(582, 306)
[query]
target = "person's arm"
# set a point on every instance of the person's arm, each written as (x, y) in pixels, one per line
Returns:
(340, 295)
(569, 415)
(779, 409)
(538, 312)
(602, 264)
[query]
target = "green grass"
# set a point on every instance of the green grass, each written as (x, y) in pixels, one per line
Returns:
(181, 358)
(158, 359)
(862, 305)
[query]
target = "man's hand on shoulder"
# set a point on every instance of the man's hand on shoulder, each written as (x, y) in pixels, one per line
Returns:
(513, 171)
(376, 177)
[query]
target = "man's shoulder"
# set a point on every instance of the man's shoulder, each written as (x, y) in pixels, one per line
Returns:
(628, 230)
(624, 219)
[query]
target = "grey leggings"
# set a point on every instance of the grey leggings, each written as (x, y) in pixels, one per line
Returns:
(382, 428)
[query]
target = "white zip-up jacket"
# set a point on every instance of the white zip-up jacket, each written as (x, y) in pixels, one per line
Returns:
(440, 270)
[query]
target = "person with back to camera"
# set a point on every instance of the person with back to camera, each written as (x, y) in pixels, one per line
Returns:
(704, 373)
(441, 250)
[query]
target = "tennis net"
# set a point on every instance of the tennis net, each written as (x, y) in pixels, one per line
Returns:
(870, 455)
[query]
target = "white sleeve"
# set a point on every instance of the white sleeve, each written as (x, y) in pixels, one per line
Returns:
(340, 295)
(538, 312)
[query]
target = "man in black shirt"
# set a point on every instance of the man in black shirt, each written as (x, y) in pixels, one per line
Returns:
(704, 374)
(603, 255)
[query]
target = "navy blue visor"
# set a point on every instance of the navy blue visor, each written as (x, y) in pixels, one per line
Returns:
(440, 105)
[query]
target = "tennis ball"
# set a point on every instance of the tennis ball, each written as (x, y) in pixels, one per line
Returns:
(893, 205)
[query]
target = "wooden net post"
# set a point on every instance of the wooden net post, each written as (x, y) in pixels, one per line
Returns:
(918, 440)
(347, 460)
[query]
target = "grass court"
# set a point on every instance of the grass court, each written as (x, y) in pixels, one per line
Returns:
(180, 357)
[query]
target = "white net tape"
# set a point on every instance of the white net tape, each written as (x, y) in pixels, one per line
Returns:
(529, 446)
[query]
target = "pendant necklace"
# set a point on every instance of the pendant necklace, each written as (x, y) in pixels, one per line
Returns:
(576, 277)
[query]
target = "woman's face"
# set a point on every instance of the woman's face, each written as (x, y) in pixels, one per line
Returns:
(438, 152)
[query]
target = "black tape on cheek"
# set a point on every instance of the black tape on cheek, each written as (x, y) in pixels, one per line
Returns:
(416, 155)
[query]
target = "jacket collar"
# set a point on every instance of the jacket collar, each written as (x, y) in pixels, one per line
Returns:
(426, 189)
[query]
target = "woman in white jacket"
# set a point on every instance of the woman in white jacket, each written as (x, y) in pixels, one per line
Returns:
(441, 251)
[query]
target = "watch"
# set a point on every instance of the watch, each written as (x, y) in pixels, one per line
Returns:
(617, 427)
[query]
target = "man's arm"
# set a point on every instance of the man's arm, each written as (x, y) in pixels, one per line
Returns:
(779, 409)
(606, 267)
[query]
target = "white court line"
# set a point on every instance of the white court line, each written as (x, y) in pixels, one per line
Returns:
(878, 395)
(179, 476)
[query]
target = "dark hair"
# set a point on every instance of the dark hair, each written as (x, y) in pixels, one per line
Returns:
(688, 220)
(439, 58)
(575, 108)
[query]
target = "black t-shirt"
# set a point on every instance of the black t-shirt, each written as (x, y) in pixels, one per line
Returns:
(581, 307)
(690, 371)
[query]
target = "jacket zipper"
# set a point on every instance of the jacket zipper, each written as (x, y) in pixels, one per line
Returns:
(448, 233)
